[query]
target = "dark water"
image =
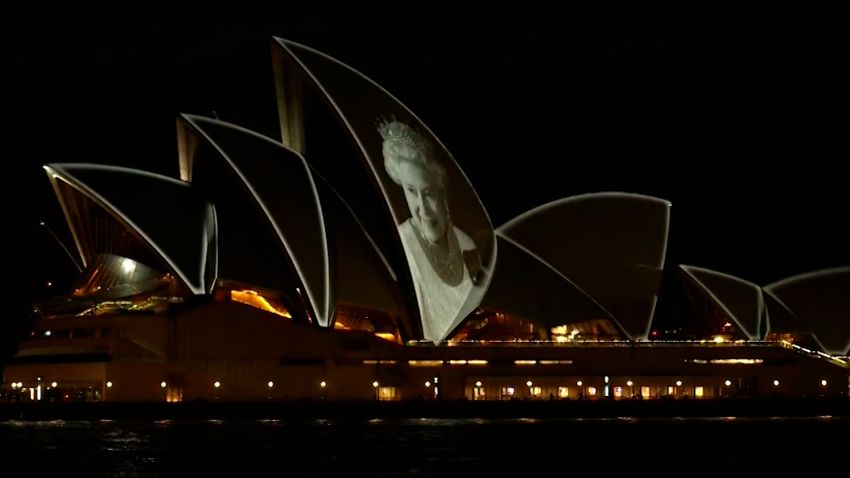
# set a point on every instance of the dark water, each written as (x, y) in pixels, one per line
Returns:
(716, 447)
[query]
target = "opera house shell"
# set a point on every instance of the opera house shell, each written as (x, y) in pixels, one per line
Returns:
(352, 259)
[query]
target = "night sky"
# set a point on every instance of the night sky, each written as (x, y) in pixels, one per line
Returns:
(740, 128)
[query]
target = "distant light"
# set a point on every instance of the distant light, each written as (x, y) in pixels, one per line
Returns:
(323, 384)
(162, 384)
(823, 383)
(108, 384)
(271, 384)
(53, 384)
(216, 384)
(606, 379)
(776, 383)
(478, 384)
(20, 384)
(427, 384)
(14, 385)
(375, 384)
(630, 383)
(529, 383)
(49, 283)
(47, 333)
(678, 383)
(579, 383)
(728, 383)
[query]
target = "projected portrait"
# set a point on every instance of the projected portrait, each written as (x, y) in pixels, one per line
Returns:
(444, 260)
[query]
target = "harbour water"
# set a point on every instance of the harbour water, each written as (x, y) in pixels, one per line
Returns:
(717, 447)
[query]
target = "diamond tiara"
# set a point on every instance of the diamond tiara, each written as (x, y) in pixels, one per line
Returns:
(399, 132)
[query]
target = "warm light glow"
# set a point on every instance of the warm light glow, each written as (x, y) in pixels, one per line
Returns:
(559, 330)
(678, 383)
(108, 384)
(254, 299)
(387, 336)
(719, 339)
(529, 383)
(425, 363)
(728, 383)
(606, 379)
(457, 362)
(823, 383)
(478, 384)
(699, 392)
(427, 384)
(47, 333)
(14, 385)
(579, 383)
(323, 384)
(630, 383)
(216, 384)
(591, 390)
(776, 383)
(162, 384)
(525, 362)
(270, 384)
(476, 362)
(53, 384)
(375, 384)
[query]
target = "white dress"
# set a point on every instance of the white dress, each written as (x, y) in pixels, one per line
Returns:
(439, 303)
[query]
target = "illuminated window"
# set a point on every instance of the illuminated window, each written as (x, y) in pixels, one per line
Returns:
(644, 392)
(699, 392)
(387, 393)
(507, 392)
(591, 391)
(671, 390)
(536, 391)
(478, 393)
(618, 392)
(563, 392)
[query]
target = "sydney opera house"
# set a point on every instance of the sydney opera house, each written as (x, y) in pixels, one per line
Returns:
(351, 259)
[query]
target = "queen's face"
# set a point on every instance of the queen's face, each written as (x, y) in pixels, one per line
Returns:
(425, 199)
